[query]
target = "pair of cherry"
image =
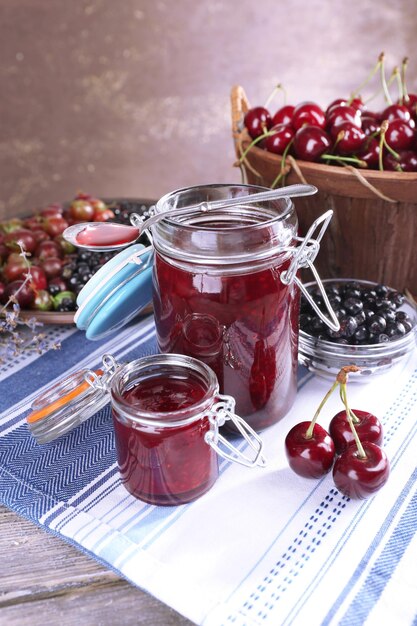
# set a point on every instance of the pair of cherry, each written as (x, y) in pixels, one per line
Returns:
(351, 447)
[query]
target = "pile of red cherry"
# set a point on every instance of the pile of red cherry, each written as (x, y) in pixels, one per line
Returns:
(344, 132)
(351, 447)
(57, 271)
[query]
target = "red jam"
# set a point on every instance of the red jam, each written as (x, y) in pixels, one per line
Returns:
(165, 465)
(243, 325)
(103, 234)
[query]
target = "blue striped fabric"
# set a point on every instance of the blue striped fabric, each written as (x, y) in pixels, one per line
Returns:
(263, 546)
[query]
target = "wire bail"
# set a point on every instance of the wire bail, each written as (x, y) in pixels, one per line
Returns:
(304, 256)
(102, 382)
(221, 412)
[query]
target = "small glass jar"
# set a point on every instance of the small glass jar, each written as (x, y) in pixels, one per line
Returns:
(166, 411)
(224, 272)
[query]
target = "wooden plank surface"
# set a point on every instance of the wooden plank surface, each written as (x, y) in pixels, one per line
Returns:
(44, 580)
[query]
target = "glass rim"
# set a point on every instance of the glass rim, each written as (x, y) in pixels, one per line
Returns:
(179, 417)
(254, 208)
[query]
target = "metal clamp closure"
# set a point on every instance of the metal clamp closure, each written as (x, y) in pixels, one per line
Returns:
(221, 412)
(102, 382)
(304, 256)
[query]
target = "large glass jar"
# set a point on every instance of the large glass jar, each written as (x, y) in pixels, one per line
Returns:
(218, 295)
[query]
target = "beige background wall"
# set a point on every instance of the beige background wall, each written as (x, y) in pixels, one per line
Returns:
(131, 97)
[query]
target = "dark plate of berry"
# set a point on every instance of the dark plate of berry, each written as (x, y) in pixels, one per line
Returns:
(378, 328)
(58, 271)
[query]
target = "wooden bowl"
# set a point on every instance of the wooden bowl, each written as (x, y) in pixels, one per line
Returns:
(372, 232)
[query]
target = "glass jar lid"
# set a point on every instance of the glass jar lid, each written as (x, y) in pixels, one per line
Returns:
(70, 402)
(120, 289)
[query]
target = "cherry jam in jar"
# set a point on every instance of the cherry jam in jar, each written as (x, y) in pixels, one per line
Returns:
(161, 407)
(218, 296)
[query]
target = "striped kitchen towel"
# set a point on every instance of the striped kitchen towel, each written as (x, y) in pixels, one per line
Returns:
(263, 546)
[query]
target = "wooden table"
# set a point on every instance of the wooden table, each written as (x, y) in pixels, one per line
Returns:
(46, 580)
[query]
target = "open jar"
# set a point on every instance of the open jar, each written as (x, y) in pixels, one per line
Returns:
(229, 277)
(167, 411)
(225, 291)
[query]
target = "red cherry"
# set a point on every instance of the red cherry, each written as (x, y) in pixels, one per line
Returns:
(40, 235)
(81, 210)
(369, 428)
(356, 103)
(22, 291)
(38, 277)
(279, 139)
(310, 142)
(349, 138)
(33, 222)
(343, 113)
(257, 121)
(15, 267)
(22, 236)
(47, 249)
(312, 457)
(103, 216)
(358, 477)
(407, 161)
(53, 210)
(396, 112)
(399, 135)
(336, 103)
(370, 125)
(52, 266)
(376, 116)
(4, 252)
(411, 103)
(370, 152)
(81, 195)
(283, 115)
(54, 225)
(308, 113)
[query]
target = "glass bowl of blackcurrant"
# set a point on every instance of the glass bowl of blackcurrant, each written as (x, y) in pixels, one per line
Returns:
(378, 328)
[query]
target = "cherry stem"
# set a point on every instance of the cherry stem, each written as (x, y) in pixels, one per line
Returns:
(283, 162)
(343, 395)
(396, 74)
(272, 95)
(374, 95)
(334, 157)
(309, 431)
(355, 418)
(28, 278)
(253, 143)
(366, 81)
(405, 97)
(384, 81)
(383, 144)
